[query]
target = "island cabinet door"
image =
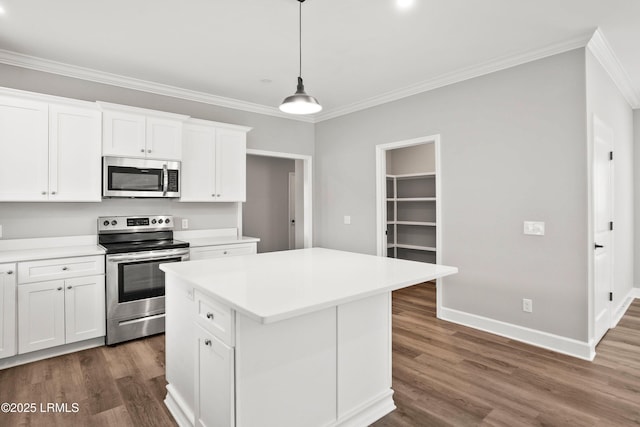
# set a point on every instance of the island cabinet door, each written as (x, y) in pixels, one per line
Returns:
(214, 381)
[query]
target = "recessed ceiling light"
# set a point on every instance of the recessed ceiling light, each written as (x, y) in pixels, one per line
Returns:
(404, 4)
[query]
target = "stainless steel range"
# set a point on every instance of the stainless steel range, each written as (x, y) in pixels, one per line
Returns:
(135, 247)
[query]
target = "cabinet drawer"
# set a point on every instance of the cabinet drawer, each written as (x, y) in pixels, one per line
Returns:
(216, 318)
(221, 251)
(60, 268)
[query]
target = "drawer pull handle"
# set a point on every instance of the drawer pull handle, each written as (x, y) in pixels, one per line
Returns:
(60, 288)
(69, 287)
(65, 268)
(10, 272)
(210, 316)
(225, 252)
(207, 342)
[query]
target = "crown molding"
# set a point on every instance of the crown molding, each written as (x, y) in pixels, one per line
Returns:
(54, 67)
(601, 49)
(458, 76)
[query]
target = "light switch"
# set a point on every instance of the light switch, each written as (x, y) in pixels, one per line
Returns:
(534, 228)
(347, 219)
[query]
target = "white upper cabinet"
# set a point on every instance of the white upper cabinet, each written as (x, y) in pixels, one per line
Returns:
(49, 152)
(135, 132)
(23, 149)
(214, 162)
(74, 154)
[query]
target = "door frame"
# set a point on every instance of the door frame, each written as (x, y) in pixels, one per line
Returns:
(307, 188)
(381, 198)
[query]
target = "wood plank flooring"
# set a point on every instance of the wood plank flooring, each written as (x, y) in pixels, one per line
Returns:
(443, 375)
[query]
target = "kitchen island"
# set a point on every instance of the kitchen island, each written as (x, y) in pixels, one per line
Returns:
(294, 338)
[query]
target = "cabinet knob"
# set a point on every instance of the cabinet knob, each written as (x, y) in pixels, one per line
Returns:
(53, 193)
(10, 272)
(142, 150)
(207, 342)
(225, 252)
(69, 287)
(217, 195)
(213, 195)
(65, 268)
(148, 151)
(60, 288)
(44, 193)
(210, 316)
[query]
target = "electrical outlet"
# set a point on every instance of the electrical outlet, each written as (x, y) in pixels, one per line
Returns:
(534, 228)
(527, 305)
(347, 219)
(185, 223)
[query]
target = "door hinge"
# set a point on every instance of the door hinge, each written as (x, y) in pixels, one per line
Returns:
(610, 296)
(611, 225)
(610, 155)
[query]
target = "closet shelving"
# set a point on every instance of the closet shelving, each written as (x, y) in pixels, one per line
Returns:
(411, 216)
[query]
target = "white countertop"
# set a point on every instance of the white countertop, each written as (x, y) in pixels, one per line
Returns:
(214, 237)
(49, 247)
(275, 286)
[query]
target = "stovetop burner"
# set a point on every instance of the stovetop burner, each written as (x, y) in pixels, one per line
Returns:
(137, 234)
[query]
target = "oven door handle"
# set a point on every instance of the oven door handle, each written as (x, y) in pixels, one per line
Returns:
(147, 256)
(165, 180)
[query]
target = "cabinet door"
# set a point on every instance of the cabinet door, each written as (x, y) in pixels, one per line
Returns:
(84, 308)
(40, 315)
(164, 139)
(123, 134)
(198, 150)
(214, 381)
(206, 252)
(23, 150)
(7, 310)
(74, 154)
(231, 165)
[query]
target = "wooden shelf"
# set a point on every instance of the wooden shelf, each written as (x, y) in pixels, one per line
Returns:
(413, 175)
(415, 199)
(421, 223)
(414, 247)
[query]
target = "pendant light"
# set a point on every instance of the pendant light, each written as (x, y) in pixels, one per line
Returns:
(300, 102)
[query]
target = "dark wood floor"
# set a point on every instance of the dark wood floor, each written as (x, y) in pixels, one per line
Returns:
(443, 375)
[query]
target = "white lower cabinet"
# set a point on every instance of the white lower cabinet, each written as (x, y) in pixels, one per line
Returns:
(7, 310)
(60, 312)
(218, 251)
(214, 381)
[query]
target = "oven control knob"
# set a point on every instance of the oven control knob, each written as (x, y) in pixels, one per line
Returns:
(105, 223)
(160, 221)
(166, 221)
(114, 222)
(153, 221)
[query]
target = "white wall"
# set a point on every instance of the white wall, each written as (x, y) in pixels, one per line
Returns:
(513, 148)
(636, 133)
(266, 211)
(23, 220)
(605, 101)
(415, 159)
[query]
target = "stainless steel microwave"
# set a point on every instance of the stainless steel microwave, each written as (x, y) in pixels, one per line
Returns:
(126, 177)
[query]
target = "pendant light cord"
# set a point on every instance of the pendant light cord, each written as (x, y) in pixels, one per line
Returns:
(300, 37)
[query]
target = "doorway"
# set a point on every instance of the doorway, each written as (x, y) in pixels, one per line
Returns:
(278, 209)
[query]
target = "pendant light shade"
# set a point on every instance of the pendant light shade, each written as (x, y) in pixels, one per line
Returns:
(300, 102)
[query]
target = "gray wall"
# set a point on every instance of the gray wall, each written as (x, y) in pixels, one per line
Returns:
(512, 149)
(22, 220)
(266, 212)
(415, 159)
(605, 101)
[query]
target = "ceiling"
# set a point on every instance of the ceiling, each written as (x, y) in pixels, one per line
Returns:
(356, 53)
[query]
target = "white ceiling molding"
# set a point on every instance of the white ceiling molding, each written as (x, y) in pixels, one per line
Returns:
(54, 67)
(601, 49)
(458, 76)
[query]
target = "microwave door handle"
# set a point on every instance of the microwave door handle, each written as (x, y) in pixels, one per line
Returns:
(165, 180)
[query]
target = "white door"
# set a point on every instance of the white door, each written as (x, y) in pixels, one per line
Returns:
(602, 215)
(292, 210)
(84, 308)
(164, 139)
(74, 154)
(231, 165)
(24, 145)
(7, 310)
(40, 315)
(123, 134)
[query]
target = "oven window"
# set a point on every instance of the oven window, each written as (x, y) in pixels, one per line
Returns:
(134, 179)
(142, 279)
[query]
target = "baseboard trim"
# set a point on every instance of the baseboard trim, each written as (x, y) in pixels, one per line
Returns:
(622, 308)
(557, 343)
(367, 413)
(178, 409)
